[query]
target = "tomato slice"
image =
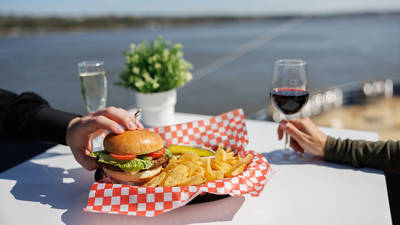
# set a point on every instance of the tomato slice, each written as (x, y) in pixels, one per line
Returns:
(123, 157)
(157, 154)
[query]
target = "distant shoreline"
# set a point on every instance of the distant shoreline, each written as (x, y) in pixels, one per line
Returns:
(25, 25)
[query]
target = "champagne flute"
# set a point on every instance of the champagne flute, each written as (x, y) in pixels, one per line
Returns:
(289, 93)
(93, 83)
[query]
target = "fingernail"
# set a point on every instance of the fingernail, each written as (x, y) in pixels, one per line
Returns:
(284, 124)
(120, 129)
(131, 125)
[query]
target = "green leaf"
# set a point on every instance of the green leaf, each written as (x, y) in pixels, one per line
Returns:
(127, 165)
(163, 63)
(168, 153)
(98, 153)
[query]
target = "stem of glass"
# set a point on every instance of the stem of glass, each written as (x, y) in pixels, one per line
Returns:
(287, 138)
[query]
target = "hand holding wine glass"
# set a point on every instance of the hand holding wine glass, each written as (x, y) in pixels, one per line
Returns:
(289, 92)
(305, 136)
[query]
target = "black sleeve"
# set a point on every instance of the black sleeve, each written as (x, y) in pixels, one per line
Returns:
(28, 117)
(383, 155)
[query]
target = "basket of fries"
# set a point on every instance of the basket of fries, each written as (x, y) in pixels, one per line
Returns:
(230, 171)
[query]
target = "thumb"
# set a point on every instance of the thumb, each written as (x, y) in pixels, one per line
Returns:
(281, 128)
(88, 162)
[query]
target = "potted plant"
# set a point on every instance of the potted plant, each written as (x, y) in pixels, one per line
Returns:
(154, 71)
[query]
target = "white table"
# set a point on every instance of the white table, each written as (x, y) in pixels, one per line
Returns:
(52, 189)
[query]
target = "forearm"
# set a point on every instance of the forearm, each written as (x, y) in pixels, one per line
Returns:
(49, 125)
(383, 155)
(28, 117)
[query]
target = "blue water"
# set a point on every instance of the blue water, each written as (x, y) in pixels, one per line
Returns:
(338, 51)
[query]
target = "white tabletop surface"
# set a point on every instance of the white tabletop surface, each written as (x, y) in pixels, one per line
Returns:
(52, 189)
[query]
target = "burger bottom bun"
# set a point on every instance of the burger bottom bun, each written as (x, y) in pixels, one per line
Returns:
(132, 177)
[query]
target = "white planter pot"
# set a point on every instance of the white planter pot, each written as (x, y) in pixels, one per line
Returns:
(158, 108)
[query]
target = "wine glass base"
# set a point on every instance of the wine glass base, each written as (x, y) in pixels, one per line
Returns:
(284, 156)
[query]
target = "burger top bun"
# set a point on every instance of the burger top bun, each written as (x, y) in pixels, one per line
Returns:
(136, 142)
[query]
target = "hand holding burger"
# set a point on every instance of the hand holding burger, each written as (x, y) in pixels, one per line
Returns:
(82, 130)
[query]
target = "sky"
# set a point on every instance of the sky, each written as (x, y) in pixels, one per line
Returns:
(191, 7)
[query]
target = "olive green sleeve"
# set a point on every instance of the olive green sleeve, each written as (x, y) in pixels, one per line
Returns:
(383, 155)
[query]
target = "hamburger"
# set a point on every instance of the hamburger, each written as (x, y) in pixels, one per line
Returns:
(132, 157)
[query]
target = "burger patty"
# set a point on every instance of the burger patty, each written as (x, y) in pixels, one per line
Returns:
(159, 161)
(108, 166)
(156, 163)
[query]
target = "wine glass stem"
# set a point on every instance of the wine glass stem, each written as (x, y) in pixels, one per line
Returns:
(285, 147)
(287, 137)
(97, 142)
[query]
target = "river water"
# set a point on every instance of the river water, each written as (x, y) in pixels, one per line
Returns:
(233, 61)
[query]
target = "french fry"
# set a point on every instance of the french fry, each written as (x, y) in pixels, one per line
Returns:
(230, 155)
(219, 154)
(209, 174)
(219, 175)
(239, 168)
(236, 170)
(233, 161)
(190, 169)
(217, 165)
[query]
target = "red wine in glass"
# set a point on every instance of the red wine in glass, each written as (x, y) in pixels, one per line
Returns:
(289, 100)
(289, 93)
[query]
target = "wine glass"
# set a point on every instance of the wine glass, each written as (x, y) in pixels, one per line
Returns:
(289, 93)
(93, 83)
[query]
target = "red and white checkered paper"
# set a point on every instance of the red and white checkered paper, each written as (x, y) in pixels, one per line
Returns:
(228, 128)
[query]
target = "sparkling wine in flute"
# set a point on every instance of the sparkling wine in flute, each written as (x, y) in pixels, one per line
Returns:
(93, 82)
(94, 90)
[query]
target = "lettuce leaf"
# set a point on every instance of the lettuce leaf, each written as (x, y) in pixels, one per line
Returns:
(97, 153)
(168, 153)
(140, 163)
(127, 165)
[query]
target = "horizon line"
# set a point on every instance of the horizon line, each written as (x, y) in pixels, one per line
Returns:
(211, 15)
